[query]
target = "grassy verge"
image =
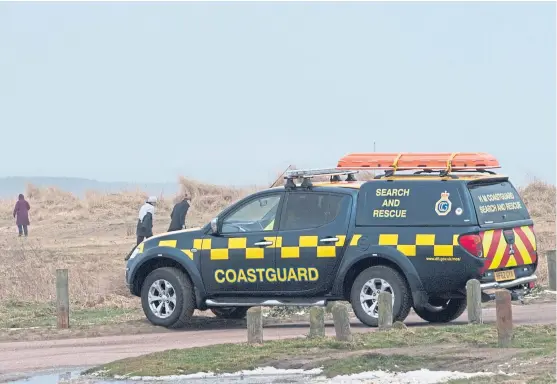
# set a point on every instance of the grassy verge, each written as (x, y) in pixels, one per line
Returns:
(394, 349)
(26, 315)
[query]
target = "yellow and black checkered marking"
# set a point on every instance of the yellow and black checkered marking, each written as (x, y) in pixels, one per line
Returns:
(355, 239)
(173, 244)
(425, 242)
(239, 243)
(428, 244)
(255, 252)
(286, 251)
(293, 251)
(222, 253)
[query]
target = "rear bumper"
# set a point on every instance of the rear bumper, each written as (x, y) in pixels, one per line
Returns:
(508, 284)
(518, 288)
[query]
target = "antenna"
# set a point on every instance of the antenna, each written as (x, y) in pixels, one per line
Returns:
(280, 176)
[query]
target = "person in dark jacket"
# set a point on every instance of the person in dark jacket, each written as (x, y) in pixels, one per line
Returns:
(178, 215)
(145, 219)
(21, 214)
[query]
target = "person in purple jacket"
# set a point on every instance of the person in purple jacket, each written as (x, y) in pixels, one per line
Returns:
(21, 210)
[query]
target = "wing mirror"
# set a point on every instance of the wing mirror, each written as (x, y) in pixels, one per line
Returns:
(215, 226)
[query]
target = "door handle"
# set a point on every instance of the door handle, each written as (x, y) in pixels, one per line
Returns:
(263, 243)
(329, 240)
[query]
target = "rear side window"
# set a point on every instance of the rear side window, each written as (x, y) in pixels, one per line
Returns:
(312, 210)
(497, 203)
(412, 203)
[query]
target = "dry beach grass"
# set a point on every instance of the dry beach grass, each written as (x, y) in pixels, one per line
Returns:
(91, 236)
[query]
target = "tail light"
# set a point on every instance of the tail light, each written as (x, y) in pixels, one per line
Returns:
(472, 244)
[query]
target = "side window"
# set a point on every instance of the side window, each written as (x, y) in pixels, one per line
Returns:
(310, 210)
(257, 215)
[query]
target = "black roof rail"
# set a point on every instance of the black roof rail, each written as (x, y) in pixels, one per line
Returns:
(436, 173)
(307, 174)
(422, 174)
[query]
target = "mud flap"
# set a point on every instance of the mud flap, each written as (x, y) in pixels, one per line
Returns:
(420, 299)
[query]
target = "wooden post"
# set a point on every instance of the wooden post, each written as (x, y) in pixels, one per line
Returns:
(474, 301)
(62, 298)
(504, 313)
(255, 325)
(316, 322)
(551, 269)
(385, 310)
(342, 322)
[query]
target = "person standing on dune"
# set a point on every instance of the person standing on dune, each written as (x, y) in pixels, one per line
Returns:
(145, 219)
(178, 215)
(21, 214)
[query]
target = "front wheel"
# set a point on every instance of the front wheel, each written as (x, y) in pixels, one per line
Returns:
(364, 295)
(230, 312)
(441, 310)
(167, 297)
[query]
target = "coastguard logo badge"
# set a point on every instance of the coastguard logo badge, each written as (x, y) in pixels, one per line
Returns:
(443, 205)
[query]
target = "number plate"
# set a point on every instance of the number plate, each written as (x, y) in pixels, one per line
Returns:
(504, 275)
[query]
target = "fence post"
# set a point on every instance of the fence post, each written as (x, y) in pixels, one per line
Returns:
(342, 322)
(474, 301)
(504, 313)
(385, 310)
(550, 255)
(62, 299)
(316, 322)
(255, 325)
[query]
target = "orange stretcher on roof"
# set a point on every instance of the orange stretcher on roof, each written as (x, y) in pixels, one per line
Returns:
(413, 160)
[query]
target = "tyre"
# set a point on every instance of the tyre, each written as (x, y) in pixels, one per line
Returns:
(365, 290)
(167, 297)
(442, 310)
(230, 312)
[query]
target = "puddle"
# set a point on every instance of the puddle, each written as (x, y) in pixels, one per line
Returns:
(259, 376)
(73, 377)
(54, 377)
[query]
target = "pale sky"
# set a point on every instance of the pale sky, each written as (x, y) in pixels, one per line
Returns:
(232, 93)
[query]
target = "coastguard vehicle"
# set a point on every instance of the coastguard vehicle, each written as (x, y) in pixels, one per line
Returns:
(420, 230)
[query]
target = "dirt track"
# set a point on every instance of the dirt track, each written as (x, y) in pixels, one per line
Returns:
(19, 357)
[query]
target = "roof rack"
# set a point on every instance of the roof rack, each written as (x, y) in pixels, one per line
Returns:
(307, 174)
(480, 170)
(442, 162)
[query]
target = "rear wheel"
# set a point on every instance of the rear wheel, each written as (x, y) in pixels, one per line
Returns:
(442, 310)
(365, 291)
(230, 312)
(167, 297)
